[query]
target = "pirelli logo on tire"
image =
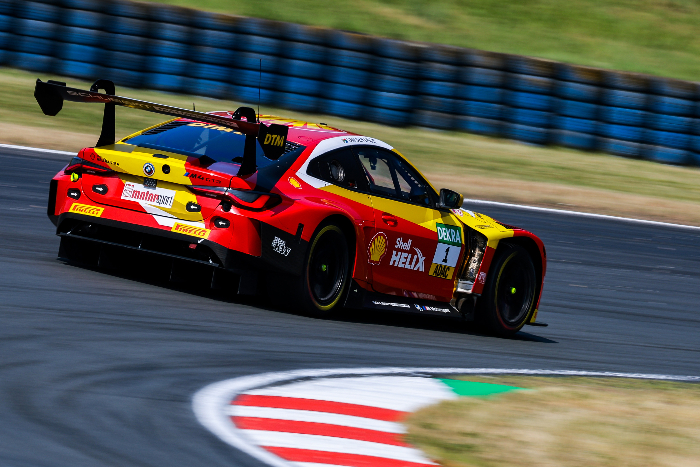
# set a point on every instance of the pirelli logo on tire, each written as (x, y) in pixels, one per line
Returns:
(86, 210)
(447, 251)
(186, 229)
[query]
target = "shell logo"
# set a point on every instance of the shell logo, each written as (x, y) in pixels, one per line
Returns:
(377, 248)
(294, 182)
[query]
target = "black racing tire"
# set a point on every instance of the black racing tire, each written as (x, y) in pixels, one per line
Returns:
(508, 299)
(326, 274)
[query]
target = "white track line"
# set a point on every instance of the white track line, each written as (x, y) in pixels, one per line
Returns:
(475, 201)
(27, 148)
(209, 404)
(375, 391)
(579, 214)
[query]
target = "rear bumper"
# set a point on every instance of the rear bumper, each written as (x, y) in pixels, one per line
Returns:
(245, 244)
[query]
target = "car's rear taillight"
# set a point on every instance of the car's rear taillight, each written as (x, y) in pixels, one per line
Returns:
(79, 166)
(245, 199)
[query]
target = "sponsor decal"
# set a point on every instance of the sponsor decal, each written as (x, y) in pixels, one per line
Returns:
(447, 251)
(200, 177)
(148, 169)
(450, 234)
(160, 197)
(401, 259)
(294, 182)
(274, 140)
(86, 210)
(280, 246)
(482, 227)
(481, 278)
(94, 157)
(461, 211)
(212, 126)
(401, 245)
(442, 271)
(397, 305)
(358, 139)
(186, 229)
(377, 248)
(431, 308)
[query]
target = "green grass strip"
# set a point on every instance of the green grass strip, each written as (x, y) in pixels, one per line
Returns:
(472, 389)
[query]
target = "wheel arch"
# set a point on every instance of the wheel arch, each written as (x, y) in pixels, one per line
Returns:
(348, 227)
(536, 255)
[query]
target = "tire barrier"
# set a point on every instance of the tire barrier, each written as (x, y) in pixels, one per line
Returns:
(355, 76)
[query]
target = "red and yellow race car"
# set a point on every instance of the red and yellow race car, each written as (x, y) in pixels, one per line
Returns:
(337, 219)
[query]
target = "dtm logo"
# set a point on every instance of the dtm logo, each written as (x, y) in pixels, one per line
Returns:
(408, 261)
(148, 169)
(274, 140)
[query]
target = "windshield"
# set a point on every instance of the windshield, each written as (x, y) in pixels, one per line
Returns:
(201, 140)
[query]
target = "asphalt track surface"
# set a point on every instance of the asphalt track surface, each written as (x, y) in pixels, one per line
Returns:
(99, 369)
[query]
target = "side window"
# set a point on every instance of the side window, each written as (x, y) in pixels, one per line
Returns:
(339, 168)
(390, 176)
(411, 186)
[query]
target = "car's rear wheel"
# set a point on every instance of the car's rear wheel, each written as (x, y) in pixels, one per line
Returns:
(326, 273)
(508, 300)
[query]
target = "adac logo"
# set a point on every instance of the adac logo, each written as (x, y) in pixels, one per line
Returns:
(86, 210)
(148, 169)
(190, 230)
(377, 248)
(294, 182)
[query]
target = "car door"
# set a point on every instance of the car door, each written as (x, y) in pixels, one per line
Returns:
(424, 244)
(343, 172)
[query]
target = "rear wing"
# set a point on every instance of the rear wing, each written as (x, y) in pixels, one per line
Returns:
(272, 138)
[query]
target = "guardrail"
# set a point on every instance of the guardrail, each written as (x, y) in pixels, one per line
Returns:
(355, 76)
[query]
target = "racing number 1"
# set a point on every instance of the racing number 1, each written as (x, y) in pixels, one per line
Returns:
(447, 251)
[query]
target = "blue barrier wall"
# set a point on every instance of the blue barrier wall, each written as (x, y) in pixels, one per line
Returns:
(355, 76)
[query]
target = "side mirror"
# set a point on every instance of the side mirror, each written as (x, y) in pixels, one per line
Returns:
(450, 199)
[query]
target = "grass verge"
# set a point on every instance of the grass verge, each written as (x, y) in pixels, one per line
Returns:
(565, 422)
(660, 37)
(478, 167)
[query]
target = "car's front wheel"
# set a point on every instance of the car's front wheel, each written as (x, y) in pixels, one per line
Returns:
(508, 300)
(326, 272)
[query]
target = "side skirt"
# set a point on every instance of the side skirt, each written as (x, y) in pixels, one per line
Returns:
(361, 298)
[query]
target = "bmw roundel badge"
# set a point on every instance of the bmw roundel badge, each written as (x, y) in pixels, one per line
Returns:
(148, 169)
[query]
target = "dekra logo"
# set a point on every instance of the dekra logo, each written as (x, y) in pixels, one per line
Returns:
(449, 234)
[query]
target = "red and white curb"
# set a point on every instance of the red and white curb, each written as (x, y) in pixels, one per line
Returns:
(337, 417)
